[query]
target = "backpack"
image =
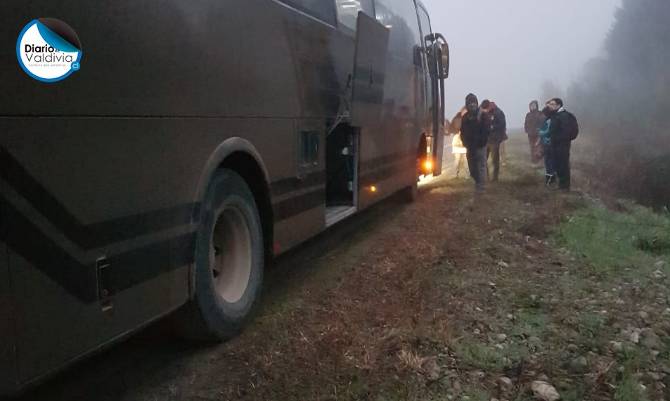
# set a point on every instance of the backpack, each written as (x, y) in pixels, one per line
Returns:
(571, 127)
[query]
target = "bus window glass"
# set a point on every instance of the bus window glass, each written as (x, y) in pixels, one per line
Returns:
(400, 17)
(320, 9)
(347, 11)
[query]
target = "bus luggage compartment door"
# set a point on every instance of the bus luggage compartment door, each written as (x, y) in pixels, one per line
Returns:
(369, 71)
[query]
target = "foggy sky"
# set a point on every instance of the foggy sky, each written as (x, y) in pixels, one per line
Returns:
(505, 50)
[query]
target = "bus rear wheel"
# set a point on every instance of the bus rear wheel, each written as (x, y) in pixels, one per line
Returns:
(229, 261)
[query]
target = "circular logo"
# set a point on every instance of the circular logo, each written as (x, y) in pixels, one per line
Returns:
(49, 50)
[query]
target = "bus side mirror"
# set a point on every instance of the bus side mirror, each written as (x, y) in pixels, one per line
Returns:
(444, 62)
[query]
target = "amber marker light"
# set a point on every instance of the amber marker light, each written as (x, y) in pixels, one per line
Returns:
(428, 166)
(373, 189)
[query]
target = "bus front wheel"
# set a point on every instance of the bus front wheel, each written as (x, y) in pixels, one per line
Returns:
(229, 261)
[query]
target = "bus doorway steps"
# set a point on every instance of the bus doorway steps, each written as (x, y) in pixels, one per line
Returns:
(336, 214)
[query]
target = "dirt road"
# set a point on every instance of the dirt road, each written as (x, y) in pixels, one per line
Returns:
(453, 297)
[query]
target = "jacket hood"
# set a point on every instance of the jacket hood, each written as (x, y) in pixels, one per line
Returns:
(534, 103)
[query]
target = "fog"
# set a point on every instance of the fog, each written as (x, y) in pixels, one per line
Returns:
(506, 50)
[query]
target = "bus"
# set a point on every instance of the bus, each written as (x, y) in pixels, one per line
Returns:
(193, 143)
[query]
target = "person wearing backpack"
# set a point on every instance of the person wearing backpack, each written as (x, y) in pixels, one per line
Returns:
(563, 130)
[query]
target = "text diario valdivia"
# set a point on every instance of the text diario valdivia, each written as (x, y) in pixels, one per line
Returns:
(46, 54)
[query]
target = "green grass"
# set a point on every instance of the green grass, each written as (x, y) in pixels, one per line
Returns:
(590, 328)
(475, 394)
(615, 241)
(629, 389)
(488, 358)
(530, 323)
(480, 356)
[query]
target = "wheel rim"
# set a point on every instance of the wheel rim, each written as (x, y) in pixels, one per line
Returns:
(230, 255)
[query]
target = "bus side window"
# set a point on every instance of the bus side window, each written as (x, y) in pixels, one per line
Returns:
(401, 18)
(320, 9)
(347, 11)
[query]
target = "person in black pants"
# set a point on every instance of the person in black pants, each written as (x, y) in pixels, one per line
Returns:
(560, 142)
(475, 128)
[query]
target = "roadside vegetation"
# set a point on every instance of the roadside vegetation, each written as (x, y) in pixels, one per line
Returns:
(622, 101)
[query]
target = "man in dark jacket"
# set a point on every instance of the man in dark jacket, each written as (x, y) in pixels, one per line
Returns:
(534, 121)
(475, 128)
(560, 142)
(498, 135)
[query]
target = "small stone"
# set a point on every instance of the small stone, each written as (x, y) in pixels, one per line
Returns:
(535, 340)
(635, 336)
(505, 383)
(644, 316)
(650, 339)
(478, 375)
(501, 337)
(658, 274)
(573, 348)
(432, 370)
(477, 331)
(579, 365)
(654, 376)
(545, 391)
(616, 346)
(511, 316)
(660, 264)
(543, 378)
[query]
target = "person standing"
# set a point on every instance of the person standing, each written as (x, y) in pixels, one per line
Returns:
(457, 148)
(563, 131)
(475, 129)
(534, 121)
(498, 135)
(545, 142)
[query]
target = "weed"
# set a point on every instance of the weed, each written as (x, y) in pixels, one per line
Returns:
(629, 389)
(618, 243)
(475, 394)
(590, 328)
(489, 358)
(530, 323)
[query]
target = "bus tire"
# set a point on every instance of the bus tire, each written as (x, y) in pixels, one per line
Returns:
(411, 193)
(229, 261)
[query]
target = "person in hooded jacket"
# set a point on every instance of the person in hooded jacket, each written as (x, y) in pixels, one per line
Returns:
(534, 121)
(475, 129)
(497, 136)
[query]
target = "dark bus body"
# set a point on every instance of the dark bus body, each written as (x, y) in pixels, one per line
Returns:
(103, 176)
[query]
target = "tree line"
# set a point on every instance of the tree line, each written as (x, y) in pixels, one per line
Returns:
(623, 102)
